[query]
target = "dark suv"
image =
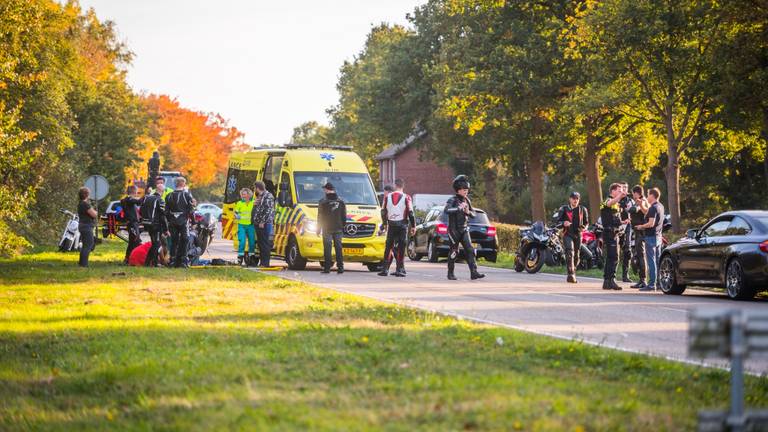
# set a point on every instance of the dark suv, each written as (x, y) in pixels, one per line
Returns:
(431, 238)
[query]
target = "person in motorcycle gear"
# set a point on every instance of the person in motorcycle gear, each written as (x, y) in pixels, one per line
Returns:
(153, 165)
(625, 237)
(459, 211)
(331, 219)
(637, 217)
(397, 213)
(179, 205)
(155, 223)
(131, 203)
(573, 219)
(610, 214)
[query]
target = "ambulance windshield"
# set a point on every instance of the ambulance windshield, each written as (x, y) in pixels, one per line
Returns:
(353, 188)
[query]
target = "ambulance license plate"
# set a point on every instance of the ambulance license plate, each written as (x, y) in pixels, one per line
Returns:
(354, 251)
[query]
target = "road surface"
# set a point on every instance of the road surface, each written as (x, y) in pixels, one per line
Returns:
(650, 323)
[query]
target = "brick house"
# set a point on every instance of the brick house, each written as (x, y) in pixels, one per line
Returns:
(421, 174)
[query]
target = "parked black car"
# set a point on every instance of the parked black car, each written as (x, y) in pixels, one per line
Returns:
(431, 238)
(730, 251)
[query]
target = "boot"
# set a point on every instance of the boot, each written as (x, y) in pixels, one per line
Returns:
(640, 284)
(614, 285)
(400, 272)
(571, 279)
(476, 275)
(239, 260)
(608, 284)
(451, 276)
(625, 276)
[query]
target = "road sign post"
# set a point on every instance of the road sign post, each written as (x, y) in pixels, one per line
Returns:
(99, 187)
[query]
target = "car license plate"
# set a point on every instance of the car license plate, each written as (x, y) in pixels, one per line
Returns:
(476, 245)
(354, 251)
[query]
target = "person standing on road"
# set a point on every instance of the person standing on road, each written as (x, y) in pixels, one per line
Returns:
(637, 217)
(87, 215)
(179, 205)
(153, 166)
(397, 213)
(263, 219)
(331, 217)
(573, 218)
(625, 237)
(459, 211)
(245, 230)
(155, 223)
(131, 203)
(610, 215)
(653, 229)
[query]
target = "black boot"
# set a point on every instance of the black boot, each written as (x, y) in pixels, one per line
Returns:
(240, 260)
(451, 276)
(607, 284)
(615, 286)
(474, 274)
(384, 269)
(400, 272)
(571, 279)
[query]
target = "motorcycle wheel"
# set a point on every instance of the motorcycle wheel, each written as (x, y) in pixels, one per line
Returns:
(534, 260)
(586, 260)
(65, 245)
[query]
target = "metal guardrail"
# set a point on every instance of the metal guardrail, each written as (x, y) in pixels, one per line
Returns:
(730, 334)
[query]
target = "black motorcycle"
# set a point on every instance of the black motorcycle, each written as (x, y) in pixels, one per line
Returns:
(539, 245)
(204, 227)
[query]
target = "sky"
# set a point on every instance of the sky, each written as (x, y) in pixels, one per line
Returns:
(267, 66)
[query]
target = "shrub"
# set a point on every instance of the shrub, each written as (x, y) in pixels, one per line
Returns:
(508, 235)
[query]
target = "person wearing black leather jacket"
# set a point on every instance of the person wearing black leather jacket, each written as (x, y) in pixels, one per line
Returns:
(331, 219)
(155, 224)
(131, 204)
(573, 219)
(459, 211)
(637, 217)
(625, 238)
(610, 214)
(179, 208)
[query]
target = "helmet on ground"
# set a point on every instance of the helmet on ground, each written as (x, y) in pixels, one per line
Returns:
(460, 182)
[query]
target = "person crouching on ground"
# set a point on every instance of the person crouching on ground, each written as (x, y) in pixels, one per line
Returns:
(573, 219)
(331, 217)
(397, 213)
(262, 219)
(131, 204)
(87, 215)
(459, 211)
(245, 230)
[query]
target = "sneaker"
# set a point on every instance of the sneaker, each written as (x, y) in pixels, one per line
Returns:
(647, 289)
(640, 284)
(571, 279)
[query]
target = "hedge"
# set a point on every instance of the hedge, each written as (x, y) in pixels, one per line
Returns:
(508, 236)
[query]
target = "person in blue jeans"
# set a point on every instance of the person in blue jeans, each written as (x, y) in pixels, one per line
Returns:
(262, 218)
(654, 222)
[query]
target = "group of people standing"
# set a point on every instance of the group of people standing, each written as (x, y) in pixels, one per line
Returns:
(632, 228)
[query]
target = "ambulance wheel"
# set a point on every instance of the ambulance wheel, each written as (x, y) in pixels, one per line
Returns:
(293, 256)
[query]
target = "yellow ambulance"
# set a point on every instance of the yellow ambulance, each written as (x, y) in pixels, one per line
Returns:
(295, 174)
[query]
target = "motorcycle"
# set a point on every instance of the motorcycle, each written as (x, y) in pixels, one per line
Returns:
(539, 245)
(591, 241)
(204, 227)
(70, 239)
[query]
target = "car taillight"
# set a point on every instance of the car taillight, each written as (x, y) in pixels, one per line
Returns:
(442, 228)
(764, 246)
(491, 231)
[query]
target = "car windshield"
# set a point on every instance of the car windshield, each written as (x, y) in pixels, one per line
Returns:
(353, 188)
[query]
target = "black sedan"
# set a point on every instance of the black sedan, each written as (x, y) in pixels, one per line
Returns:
(431, 238)
(730, 251)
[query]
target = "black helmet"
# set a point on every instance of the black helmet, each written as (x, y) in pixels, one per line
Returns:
(460, 182)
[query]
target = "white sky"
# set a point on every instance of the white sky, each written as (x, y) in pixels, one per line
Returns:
(266, 65)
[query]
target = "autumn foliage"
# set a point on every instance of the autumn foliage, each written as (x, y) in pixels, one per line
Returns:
(196, 143)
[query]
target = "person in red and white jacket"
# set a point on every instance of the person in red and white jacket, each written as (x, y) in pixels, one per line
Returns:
(397, 213)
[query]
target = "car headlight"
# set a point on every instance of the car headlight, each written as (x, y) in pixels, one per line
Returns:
(308, 226)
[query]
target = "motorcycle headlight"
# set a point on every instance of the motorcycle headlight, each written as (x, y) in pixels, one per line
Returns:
(308, 226)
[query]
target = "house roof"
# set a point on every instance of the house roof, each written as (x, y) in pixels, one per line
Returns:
(395, 149)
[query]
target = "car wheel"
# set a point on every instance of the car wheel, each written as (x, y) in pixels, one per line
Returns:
(534, 261)
(432, 252)
(667, 276)
(293, 256)
(735, 284)
(411, 250)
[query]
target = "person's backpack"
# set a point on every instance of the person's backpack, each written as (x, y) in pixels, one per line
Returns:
(148, 209)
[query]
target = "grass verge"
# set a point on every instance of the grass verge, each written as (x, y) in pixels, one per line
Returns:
(117, 348)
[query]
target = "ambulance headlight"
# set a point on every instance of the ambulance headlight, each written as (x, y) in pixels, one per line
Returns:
(309, 227)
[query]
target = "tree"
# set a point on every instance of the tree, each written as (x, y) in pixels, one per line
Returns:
(663, 51)
(310, 132)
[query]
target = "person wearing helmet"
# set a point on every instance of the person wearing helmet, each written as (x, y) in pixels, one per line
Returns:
(459, 211)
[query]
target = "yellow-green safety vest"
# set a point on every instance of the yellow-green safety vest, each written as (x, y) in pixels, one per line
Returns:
(244, 209)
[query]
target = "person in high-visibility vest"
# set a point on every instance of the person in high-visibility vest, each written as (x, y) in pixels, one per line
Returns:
(245, 229)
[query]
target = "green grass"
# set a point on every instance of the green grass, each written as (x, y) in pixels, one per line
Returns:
(507, 260)
(117, 348)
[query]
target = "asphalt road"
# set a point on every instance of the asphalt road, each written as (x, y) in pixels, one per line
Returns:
(650, 323)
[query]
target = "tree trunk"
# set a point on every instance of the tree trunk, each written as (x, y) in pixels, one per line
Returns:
(672, 174)
(765, 139)
(536, 179)
(592, 173)
(490, 176)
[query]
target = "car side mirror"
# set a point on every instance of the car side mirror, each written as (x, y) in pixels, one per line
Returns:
(691, 234)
